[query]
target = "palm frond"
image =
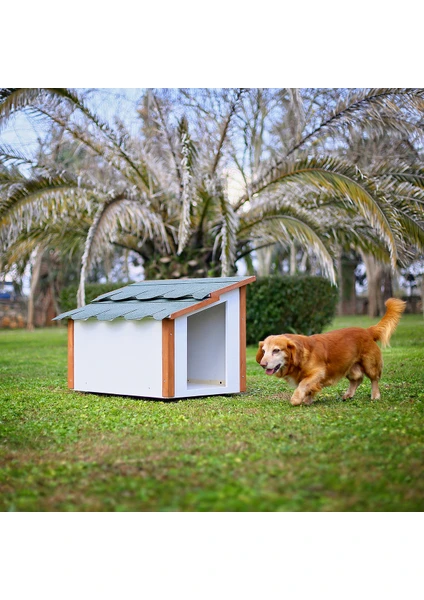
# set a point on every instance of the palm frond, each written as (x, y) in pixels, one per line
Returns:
(341, 178)
(57, 234)
(12, 156)
(284, 229)
(119, 213)
(351, 232)
(367, 103)
(225, 233)
(365, 107)
(407, 173)
(167, 134)
(15, 99)
(44, 198)
(225, 129)
(410, 224)
(29, 191)
(113, 150)
(187, 158)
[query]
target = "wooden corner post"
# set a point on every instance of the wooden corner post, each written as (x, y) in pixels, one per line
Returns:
(243, 339)
(168, 358)
(71, 354)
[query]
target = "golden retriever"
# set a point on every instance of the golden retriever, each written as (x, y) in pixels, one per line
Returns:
(316, 361)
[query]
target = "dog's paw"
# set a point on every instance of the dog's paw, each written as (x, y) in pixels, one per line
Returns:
(295, 401)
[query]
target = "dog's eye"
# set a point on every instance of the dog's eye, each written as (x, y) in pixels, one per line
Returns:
(276, 351)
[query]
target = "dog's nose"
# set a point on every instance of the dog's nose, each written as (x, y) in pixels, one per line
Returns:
(264, 365)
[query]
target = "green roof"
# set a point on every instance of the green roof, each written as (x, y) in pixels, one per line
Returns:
(157, 299)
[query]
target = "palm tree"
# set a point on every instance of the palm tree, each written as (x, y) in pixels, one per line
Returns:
(374, 153)
(169, 194)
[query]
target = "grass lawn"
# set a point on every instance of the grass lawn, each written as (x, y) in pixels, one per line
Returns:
(68, 451)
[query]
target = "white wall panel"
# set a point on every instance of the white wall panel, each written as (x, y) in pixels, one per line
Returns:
(119, 357)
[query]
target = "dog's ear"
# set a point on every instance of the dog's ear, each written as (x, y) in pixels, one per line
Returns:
(260, 352)
(294, 351)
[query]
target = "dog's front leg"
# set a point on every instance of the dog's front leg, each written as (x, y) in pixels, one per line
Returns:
(300, 397)
(306, 390)
(307, 400)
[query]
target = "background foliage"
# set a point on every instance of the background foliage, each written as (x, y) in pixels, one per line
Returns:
(299, 304)
(68, 295)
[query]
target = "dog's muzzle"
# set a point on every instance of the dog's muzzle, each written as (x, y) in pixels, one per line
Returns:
(272, 371)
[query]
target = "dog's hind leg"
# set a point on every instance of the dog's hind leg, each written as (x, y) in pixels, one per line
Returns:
(373, 367)
(356, 377)
(375, 391)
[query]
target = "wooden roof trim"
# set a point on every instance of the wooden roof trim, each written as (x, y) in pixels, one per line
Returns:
(215, 296)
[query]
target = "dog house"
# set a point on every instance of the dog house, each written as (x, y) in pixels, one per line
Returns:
(161, 339)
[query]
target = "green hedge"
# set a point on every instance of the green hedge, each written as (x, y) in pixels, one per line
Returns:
(68, 296)
(298, 304)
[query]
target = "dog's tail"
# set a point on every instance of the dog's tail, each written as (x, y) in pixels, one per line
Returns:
(384, 329)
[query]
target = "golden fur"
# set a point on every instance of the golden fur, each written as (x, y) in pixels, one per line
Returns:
(317, 361)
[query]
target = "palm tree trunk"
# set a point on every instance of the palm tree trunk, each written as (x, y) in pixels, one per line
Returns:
(126, 268)
(35, 277)
(339, 268)
(264, 261)
(293, 264)
(422, 294)
(304, 260)
(387, 283)
(374, 271)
